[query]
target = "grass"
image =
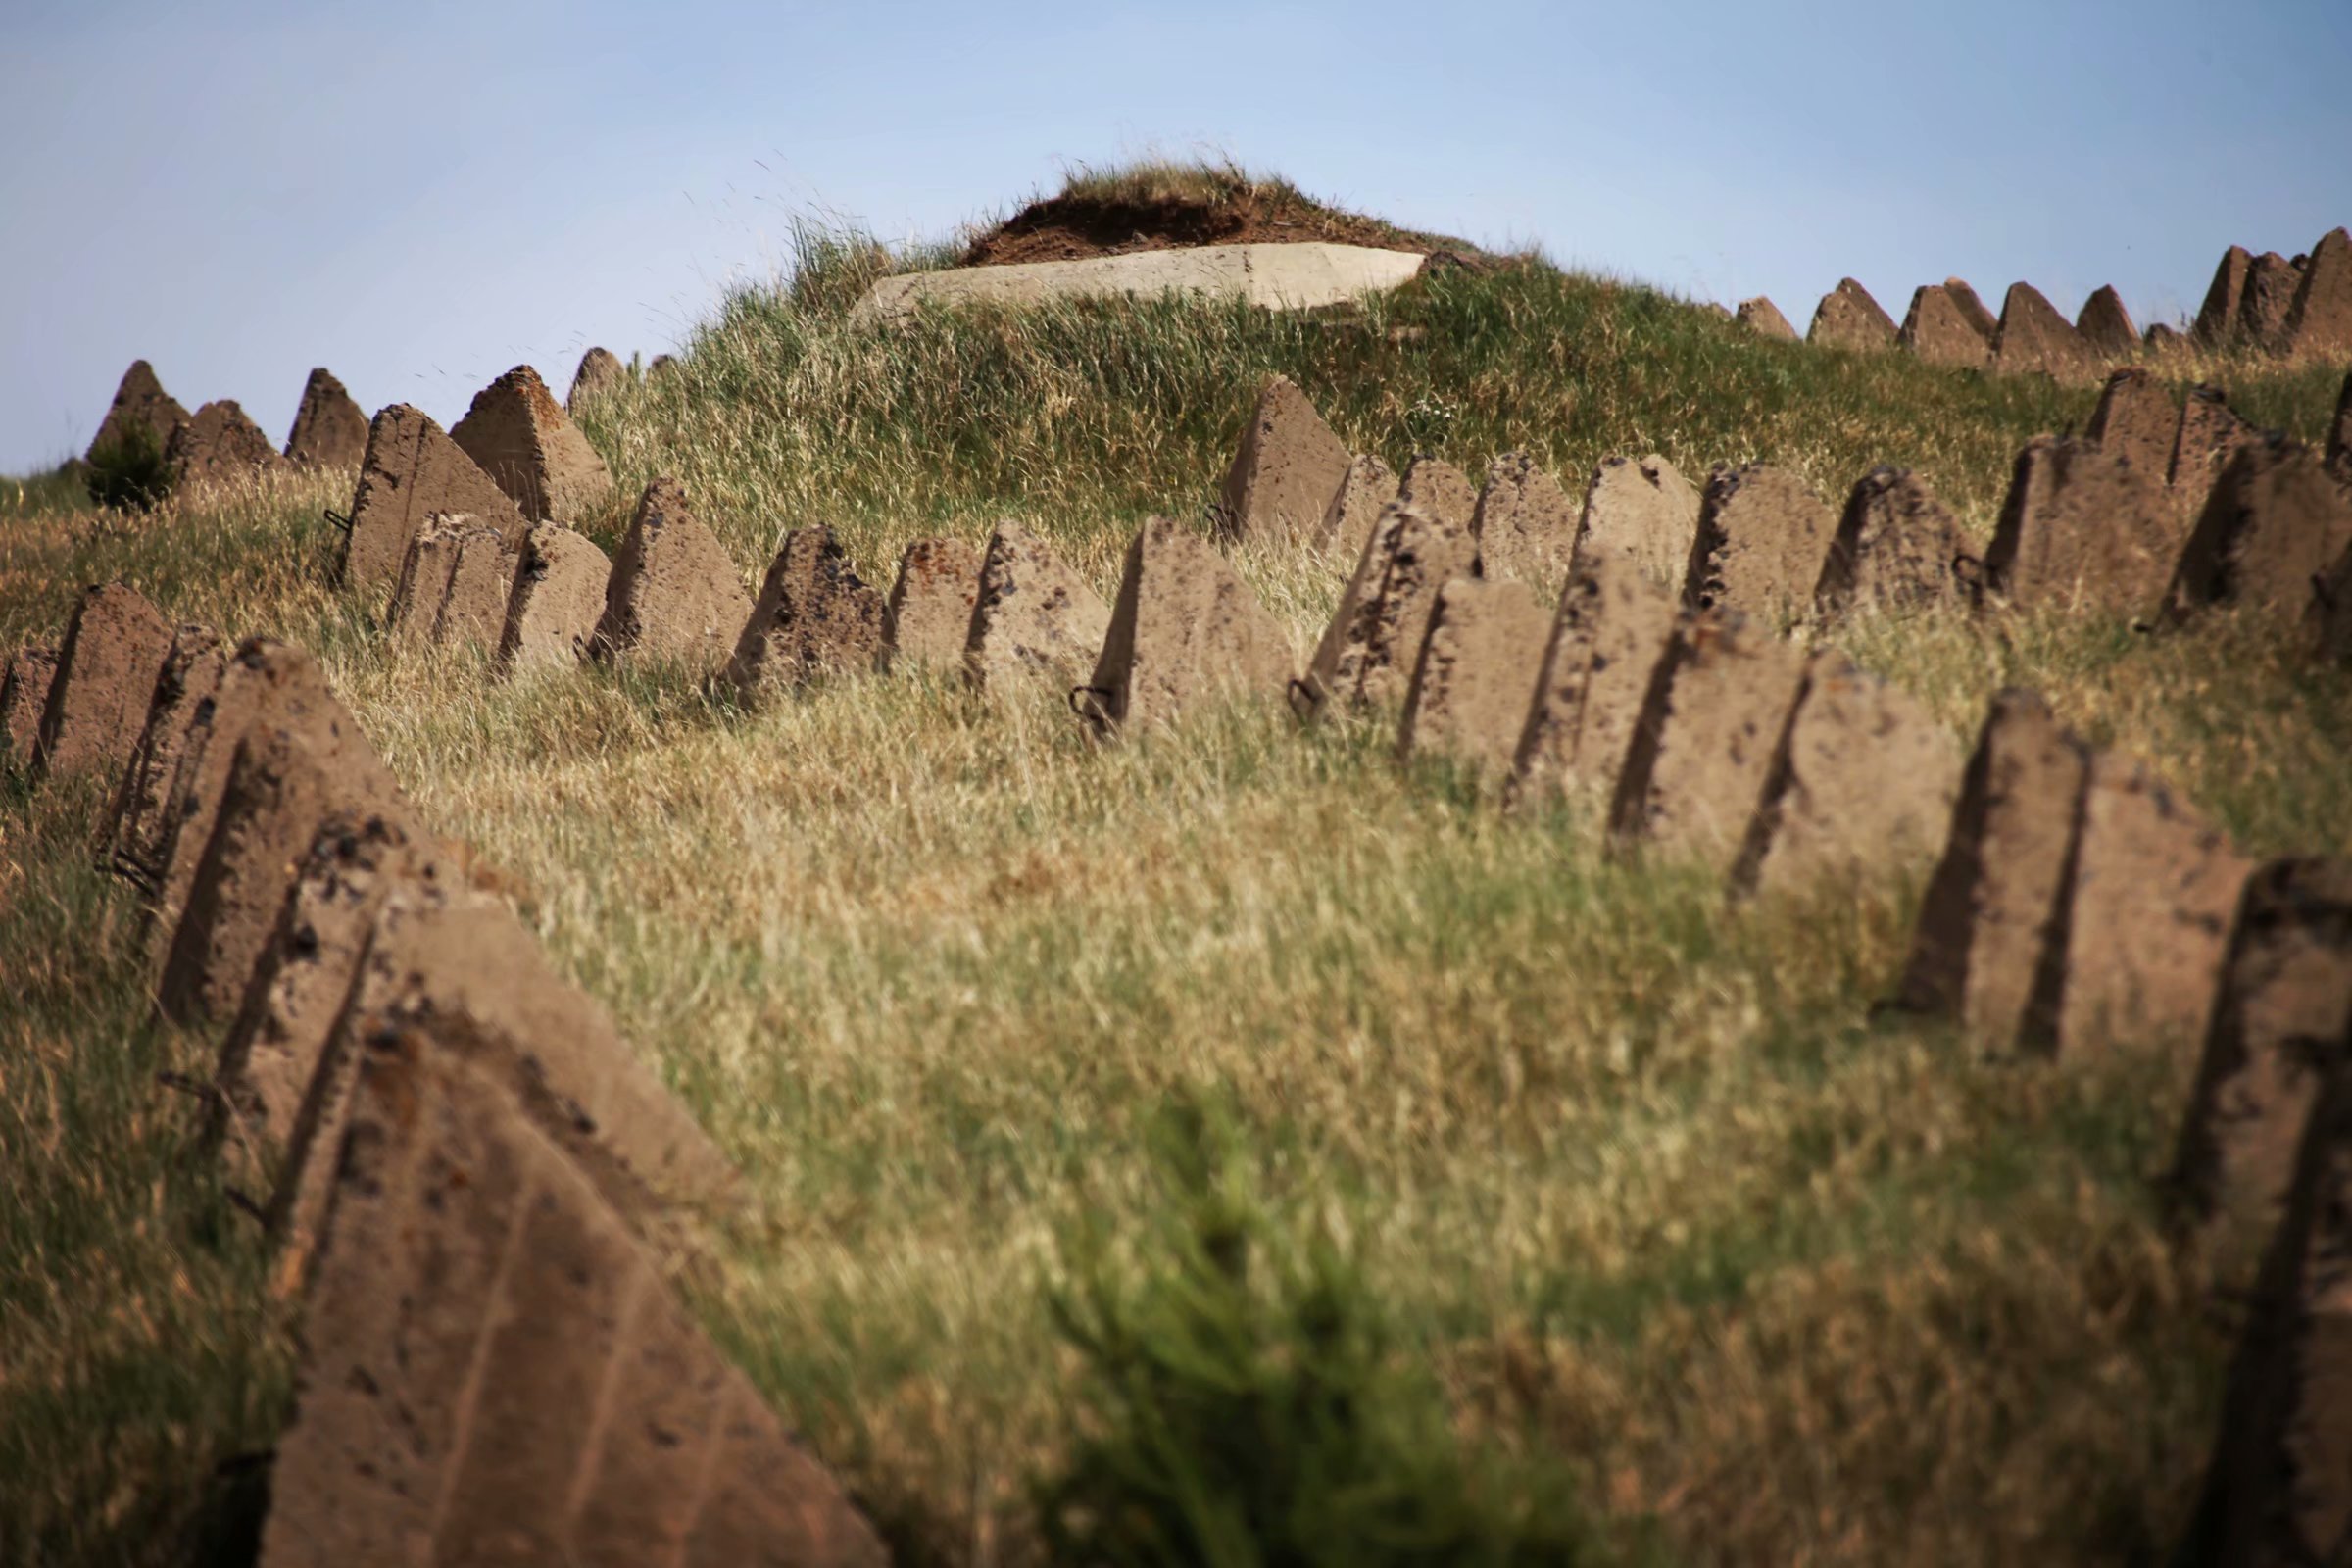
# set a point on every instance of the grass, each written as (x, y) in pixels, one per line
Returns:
(1645, 1187)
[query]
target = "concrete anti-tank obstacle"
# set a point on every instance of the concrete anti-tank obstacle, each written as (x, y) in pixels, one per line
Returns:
(331, 431)
(2137, 420)
(1936, 331)
(2162, 339)
(2271, 285)
(2144, 916)
(672, 594)
(2339, 434)
(2106, 325)
(815, 616)
(1034, 616)
(519, 435)
(1644, 510)
(2086, 529)
(24, 694)
(1288, 468)
(493, 1366)
(107, 666)
(481, 583)
(1525, 523)
(138, 836)
(2279, 1030)
(2275, 524)
(430, 575)
(1437, 487)
(2036, 340)
(1276, 275)
(1848, 318)
(600, 371)
(1476, 675)
(1609, 635)
(1991, 907)
(558, 598)
(1764, 318)
(410, 471)
(1355, 510)
(1862, 783)
(2216, 319)
(1896, 547)
(1973, 310)
(1711, 722)
(929, 614)
(220, 445)
(139, 400)
(1183, 627)
(2319, 323)
(1758, 549)
(2276, 1488)
(1366, 653)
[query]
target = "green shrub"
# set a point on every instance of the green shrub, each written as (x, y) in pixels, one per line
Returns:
(128, 471)
(1242, 1404)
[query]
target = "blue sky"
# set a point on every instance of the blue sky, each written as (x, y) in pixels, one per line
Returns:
(241, 190)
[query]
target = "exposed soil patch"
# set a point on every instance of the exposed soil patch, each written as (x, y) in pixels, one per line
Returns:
(1071, 227)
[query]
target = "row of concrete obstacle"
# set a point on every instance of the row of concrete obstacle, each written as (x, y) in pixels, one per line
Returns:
(2298, 309)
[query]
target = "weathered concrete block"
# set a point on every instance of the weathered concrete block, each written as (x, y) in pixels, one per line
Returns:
(409, 472)
(2162, 339)
(600, 371)
(1363, 495)
(2271, 285)
(1644, 510)
(1896, 547)
(2275, 524)
(430, 579)
(1973, 310)
(815, 616)
(674, 593)
(1279, 276)
(519, 435)
(559, 597)
(1443, 491)
(1717, 708)
(1611, 631)
(2144, 921)
(1937, 332)
(1367, 653)
(1848, 318)
(2319, 323)
(197, 780)
(929, 616)
(2137, 420)
(2106, 327)
(219, 446)
(2036, 340)
(2085, 528)
(141, 400)
(1182, 627)
(1288, 470)
(1525, 523)
(330, 429)
(24, 694)
(106, 671)
(2216, 319)
(2339, 434)
(138, 837)
(1476, 675)
(1862, 785)
(2278, 1033)
(494, 1368)
(480, 585)
(1761, 539)
(1035, 615)
(1764, 318)
(2211, 434)
(1991, 908)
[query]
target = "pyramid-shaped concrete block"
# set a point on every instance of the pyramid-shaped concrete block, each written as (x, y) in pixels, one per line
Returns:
(1476, 675)
(519, 435)
(1973, 308)
(106, 672)
(1184, 629)
(2137, 422)
(2339, 434)
(2279, 1031)
(24, 695)
(2276, 523)
(1611, 630)
(427, 574)
(2106, 325)
(559, 597)
(1644, 510)
(2036, 340)
(2319, 323)
(2272, 283)
(2163, 339)
(673, 594)
(1355, 510)
(2083, 528)
(246, 688)
(1937, 332)
(137, 836)
(815, 616)
(1434, 486)
(330, 430)
(929, 616)
(1703, 747)
(1761, 539)
(1764, 318)
(481, 583)
(1896, 548)
(2216, 319)
(493, 1366)
(410, 471)
(220, 446)
(1525, 523)
(1848, 318)
(2211, 434)
(1993, 908)
(2146, 911)
(1035, 617)
(1862, 786)
(142, 405)
(600, 371)
(1289, 467)
(1366, 656)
